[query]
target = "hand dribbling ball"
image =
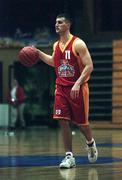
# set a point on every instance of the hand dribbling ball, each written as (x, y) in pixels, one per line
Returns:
(28, 56)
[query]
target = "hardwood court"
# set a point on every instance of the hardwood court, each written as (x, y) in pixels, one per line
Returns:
(34, 154)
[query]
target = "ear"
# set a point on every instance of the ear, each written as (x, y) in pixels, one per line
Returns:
(69, 25)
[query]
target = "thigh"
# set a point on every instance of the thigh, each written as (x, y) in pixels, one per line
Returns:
(61, 106)
(80, 106)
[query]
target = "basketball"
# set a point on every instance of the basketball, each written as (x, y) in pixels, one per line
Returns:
(28, 56)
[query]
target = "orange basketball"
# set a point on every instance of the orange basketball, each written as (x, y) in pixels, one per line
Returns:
(28, 56)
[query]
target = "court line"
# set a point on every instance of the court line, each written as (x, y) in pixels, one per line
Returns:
(24, 161)
(109, 145)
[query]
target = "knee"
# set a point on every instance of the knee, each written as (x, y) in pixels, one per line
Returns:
(64, 123)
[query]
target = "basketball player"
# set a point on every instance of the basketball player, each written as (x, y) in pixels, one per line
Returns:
(73, 66)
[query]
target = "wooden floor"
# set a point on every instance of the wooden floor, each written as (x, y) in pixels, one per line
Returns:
(34, 154)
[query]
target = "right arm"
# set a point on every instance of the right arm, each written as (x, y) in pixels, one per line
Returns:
(48, 59)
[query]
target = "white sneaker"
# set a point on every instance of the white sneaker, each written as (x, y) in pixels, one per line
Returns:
(68, 162)
(92, 153)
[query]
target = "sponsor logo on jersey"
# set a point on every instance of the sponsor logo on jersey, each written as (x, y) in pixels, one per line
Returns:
(65, 69)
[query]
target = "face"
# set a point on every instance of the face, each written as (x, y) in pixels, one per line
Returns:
(61, 25)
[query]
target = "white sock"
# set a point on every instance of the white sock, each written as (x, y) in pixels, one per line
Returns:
(69, 154)
(89, 142)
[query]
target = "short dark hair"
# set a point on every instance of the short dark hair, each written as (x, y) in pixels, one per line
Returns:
(66, 16)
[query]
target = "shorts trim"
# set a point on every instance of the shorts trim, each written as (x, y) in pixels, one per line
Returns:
(58, 118)
(67, 119)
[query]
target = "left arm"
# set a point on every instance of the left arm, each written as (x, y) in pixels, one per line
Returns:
(82, 50)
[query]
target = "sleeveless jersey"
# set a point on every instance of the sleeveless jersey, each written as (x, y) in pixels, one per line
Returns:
(68, 65)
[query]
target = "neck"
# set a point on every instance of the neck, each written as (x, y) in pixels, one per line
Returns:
(65, 37)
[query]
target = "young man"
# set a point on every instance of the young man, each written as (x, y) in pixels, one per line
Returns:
(73, 66)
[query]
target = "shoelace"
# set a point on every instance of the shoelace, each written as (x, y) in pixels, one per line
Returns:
(67, 157)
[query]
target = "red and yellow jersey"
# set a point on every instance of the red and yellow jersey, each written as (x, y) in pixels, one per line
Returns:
(68, 65)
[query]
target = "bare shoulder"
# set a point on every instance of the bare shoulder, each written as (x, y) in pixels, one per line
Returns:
(79, 43)
(80, 47)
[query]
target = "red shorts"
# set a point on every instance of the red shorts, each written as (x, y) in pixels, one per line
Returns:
(75, 110)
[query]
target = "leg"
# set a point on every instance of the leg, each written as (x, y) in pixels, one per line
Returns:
(21, 114)
(66, 135)
(69, 160)
(13, 116)
(62, 109)
(87, 132)
(91, 145)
